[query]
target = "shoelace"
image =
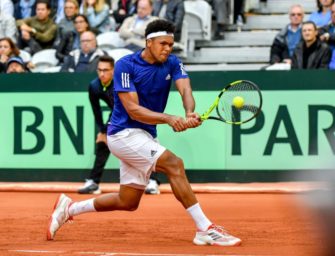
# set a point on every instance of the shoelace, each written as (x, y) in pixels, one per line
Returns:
(220, 229)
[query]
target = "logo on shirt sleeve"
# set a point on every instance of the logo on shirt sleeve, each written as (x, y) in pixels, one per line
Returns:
(125, 80)
(168, 77)
(182, 69)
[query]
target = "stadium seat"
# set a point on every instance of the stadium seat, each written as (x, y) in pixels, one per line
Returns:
(282, 6)
(116, 54)
(244, 38)
(255, 22)
(44, 59)
(180, 48)
(231, 55)
(51, 69)
(25, 56)
(279, 66)
(198, 15)
(110, 40)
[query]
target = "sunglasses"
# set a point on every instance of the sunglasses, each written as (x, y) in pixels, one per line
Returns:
(296, 14)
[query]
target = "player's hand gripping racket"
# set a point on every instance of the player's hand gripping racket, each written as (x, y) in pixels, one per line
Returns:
(238, 103)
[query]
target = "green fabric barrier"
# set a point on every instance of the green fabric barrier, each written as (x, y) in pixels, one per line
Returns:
(47, 127)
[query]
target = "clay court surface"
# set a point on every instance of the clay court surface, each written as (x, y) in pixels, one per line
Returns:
(269, 223)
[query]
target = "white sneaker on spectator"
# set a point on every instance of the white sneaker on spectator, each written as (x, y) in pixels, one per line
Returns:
(152, 188)
(90, 187)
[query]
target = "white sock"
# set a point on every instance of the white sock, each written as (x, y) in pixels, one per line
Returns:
(200, 219)
(82, 207)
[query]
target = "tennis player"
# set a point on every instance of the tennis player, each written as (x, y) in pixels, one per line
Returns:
(141, 87)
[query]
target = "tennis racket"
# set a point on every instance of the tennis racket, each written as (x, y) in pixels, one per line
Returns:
(238, 103)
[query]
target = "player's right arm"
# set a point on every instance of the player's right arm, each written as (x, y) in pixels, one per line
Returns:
(141, 114)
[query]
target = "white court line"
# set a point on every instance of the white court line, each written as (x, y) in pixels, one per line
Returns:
(126, 253)
(36, 251)
(158, 254)
(143, 254)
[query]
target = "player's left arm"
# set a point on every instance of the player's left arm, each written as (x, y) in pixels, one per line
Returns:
(139, 113)
(183, 85)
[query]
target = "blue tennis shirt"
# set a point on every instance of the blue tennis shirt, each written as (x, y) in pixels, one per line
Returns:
(152, 83)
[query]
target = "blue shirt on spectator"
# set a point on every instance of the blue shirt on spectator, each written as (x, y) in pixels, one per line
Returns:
(320, 19)
(293, 38)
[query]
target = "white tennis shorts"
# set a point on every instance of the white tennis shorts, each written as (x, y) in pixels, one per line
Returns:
(138, 152)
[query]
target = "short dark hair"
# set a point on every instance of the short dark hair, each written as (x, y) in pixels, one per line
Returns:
(310, 22)
(106, 58)
(44, 2)
(160, 25)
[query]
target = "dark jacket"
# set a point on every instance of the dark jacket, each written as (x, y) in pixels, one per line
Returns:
(71, 61)
(175, 12)
(279, 48)
(326, 29)
(2, 67)
(130, 8)
(319, 59)
(96, 93)
(330, 28)
(65, 45)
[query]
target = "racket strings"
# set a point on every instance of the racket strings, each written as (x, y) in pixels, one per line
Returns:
(251, 102)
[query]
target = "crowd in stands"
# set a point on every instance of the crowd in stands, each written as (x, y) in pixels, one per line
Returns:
(307, 44)
(35, 25)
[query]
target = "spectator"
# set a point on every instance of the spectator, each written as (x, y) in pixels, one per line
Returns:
(38, 32)
(84, 59)
(97, 12)
(7, 50)
(287, 39)
(322, 16)
(171, 10)
(16, 65)
(221, 10)
(327, 35)
(239, 10)
(133, 28)
(57, 10)
(311, 53)
(7, 7)
(125, 9)
(71, 40)
(7, 26)
(24, 9)
(263, 6)
(66, 25)
(100, 89)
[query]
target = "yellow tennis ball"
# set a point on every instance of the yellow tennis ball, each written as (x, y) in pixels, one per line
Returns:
(238, 102)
